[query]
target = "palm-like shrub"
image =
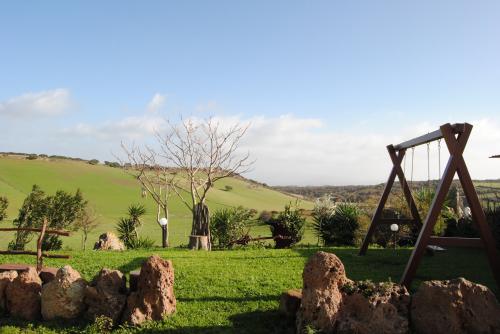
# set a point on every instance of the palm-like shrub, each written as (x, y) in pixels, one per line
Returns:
(127, 228)
(230, 224)
(337, 225)
(288, 227)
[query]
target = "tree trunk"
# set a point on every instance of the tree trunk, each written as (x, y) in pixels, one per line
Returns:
(200, 230)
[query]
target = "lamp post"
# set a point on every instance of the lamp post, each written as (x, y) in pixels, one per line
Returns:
(163, 223)
(394, 229)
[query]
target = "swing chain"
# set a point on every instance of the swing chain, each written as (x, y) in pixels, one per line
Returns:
(439, 157)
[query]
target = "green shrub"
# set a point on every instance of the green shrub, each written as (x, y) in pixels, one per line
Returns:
(32, 157)
(141, 243)
(228, 188)
(93, 162)
(337, 225)
(127, 228)
(4, 203)
(61, 211)
(230, 224)
(288, 227)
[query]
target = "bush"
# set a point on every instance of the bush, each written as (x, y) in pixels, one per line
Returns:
(288, 227)
(32, 157)
(61, 211)
(337, 224)
(4, 203)
(230, 224)
(93, 162)
(141, 243)
(127, 228)
(228, 188)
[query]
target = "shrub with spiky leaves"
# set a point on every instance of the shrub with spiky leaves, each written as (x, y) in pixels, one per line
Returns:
(337, 224)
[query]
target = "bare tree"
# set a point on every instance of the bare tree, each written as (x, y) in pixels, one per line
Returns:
(87, 221)
(203, 151)
(156, 178)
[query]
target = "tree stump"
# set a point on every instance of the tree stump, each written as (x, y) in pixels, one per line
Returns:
(198, 242)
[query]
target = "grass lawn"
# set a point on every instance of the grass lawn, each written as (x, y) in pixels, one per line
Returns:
(110, 191)
(238, 291)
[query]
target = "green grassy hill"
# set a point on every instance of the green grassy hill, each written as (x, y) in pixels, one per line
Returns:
(111, 191)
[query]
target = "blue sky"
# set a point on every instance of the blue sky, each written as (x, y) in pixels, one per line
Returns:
(324, 70)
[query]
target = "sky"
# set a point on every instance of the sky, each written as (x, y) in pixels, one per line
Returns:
(324, 85)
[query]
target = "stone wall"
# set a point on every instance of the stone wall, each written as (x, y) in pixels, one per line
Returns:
(69, 296)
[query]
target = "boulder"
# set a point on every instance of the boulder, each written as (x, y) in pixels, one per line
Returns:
(154, 298)
(63, 296)
(106, 296)
(323, 276)
(5, 278)
(109, 241)
(23, 295)
(373, 308)
(454, 306)
(290, 302)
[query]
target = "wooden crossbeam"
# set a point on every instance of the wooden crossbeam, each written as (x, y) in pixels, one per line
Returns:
(456, 137)
(43, 254)
(33, 229)
(430, 137)
(456, 242)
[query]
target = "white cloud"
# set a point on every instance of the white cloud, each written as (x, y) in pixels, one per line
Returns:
(306, 151)
(156, 103)
(46, 103)
(133, 127)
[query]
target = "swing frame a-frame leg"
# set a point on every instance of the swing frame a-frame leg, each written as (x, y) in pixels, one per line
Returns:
(456, 164)
(377, 220)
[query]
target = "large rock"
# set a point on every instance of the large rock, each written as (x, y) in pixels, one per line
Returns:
(154, 298)
(23, 295)
(290, 302)
(323, 276)
(106, 296)
(109, 241)
(455, 306)
(373, 308)
(63, 297)
(5, 278)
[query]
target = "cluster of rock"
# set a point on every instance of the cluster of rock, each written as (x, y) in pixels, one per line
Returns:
(69, 296)
(332, 303)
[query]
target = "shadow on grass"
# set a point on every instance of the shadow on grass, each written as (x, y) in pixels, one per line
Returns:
(389, 264)
(247, 323)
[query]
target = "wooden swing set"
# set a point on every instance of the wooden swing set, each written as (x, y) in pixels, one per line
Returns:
(455, 137)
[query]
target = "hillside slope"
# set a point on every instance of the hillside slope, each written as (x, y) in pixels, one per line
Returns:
(111, 191)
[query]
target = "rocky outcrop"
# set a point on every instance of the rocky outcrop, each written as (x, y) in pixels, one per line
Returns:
(455, 306)
(109, 241)
(154, 298)
(323, 276)
(334, 304)
(106, 296)
(23, 295)
(290, 302)
(5, 278)
(63, 297)
(373, 308)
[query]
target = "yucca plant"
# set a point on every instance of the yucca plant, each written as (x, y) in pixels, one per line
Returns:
(337, 226)
(127, 228)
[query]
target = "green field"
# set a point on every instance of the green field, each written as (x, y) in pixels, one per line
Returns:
(238, 291)
(111, 191)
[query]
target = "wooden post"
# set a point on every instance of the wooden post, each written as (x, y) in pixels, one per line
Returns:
(39, 257)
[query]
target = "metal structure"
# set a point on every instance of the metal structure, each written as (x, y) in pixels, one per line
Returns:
(455, 137)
